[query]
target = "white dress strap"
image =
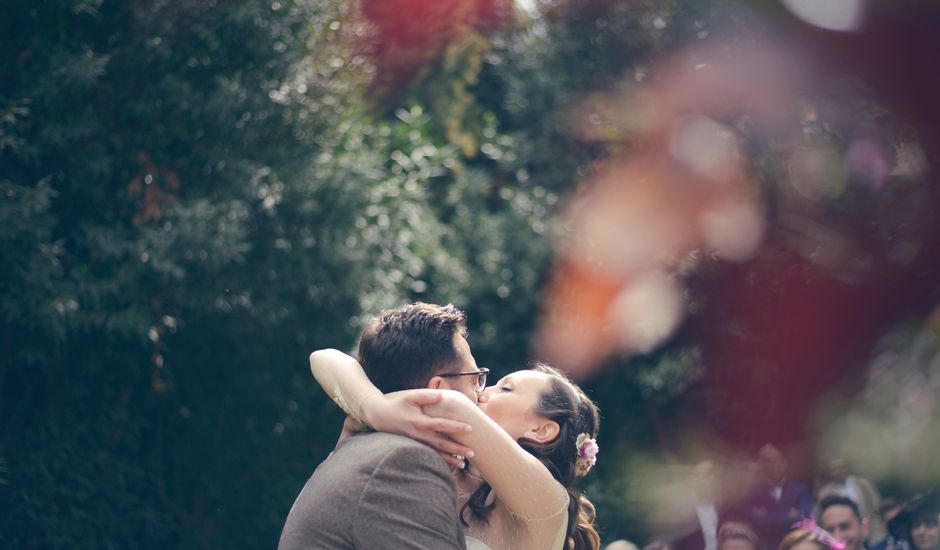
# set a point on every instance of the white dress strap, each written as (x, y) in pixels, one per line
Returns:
(476, 544)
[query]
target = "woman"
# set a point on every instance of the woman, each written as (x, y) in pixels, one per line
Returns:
(531, 436)
(919, 521)
(810, 537)
(734, 535)
(925, 532)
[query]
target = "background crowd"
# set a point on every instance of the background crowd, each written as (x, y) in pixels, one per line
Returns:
(759, 506)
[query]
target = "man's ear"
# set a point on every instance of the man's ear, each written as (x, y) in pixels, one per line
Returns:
(438, 383)
(545, 431)
(864, 527)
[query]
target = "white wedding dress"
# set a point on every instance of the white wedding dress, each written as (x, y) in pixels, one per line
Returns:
(540, 534)
(476, 544)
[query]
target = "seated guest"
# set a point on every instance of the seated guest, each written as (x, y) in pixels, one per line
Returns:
(776, 502)
(734, 535)
(919, 522)
(805, 539)
(840, 516)
(860, 490)
(698, 528)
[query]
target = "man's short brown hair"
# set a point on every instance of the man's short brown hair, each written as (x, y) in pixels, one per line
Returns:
(403, 348)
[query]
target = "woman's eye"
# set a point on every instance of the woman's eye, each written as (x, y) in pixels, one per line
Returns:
(505, 388)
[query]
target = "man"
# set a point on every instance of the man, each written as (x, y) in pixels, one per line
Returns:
(860, 490)
(380, 490)
(775, 503)
(700, 528)
(840, 516)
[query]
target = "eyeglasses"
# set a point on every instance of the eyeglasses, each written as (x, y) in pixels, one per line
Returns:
(480, 374)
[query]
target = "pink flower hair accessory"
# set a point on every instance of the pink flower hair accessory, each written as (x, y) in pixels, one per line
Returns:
(824, 536)
(587, 454)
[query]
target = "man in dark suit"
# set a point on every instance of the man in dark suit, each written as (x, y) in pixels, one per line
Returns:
(380, 490)
(775, 503)
(703, 516)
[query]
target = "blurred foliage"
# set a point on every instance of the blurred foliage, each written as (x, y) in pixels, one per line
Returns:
(894, 419)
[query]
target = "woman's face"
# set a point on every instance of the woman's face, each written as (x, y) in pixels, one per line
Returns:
(511, 402)
(926, 533)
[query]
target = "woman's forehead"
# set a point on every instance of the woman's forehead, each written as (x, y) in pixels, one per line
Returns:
(524, 377)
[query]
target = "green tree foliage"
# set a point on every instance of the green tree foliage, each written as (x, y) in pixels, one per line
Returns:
(183, 189)
(193, 199)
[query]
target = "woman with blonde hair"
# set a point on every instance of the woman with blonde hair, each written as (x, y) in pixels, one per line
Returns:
(810, 537)
(735, 535)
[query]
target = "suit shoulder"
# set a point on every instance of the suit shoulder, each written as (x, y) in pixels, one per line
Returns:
(373, 441)
(400, 448)
(383, 447)
(394, 440)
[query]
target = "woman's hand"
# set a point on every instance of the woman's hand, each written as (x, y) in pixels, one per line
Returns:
(402, 413)
(350, 427)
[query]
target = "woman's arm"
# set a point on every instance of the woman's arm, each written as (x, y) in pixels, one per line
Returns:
(346, 383)
(343, 380)
(519, 480)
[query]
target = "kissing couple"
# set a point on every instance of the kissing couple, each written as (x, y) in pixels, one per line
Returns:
(445, 462)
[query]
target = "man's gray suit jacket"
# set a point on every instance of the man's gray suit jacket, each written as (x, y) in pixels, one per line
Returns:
(376, 491)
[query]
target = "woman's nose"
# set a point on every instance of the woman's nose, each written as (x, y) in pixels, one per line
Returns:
(485, 395)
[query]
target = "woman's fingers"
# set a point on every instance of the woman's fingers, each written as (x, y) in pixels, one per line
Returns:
(422, 398)
(349, 428)
(444, 426)
(405, 413)
(454, 461)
